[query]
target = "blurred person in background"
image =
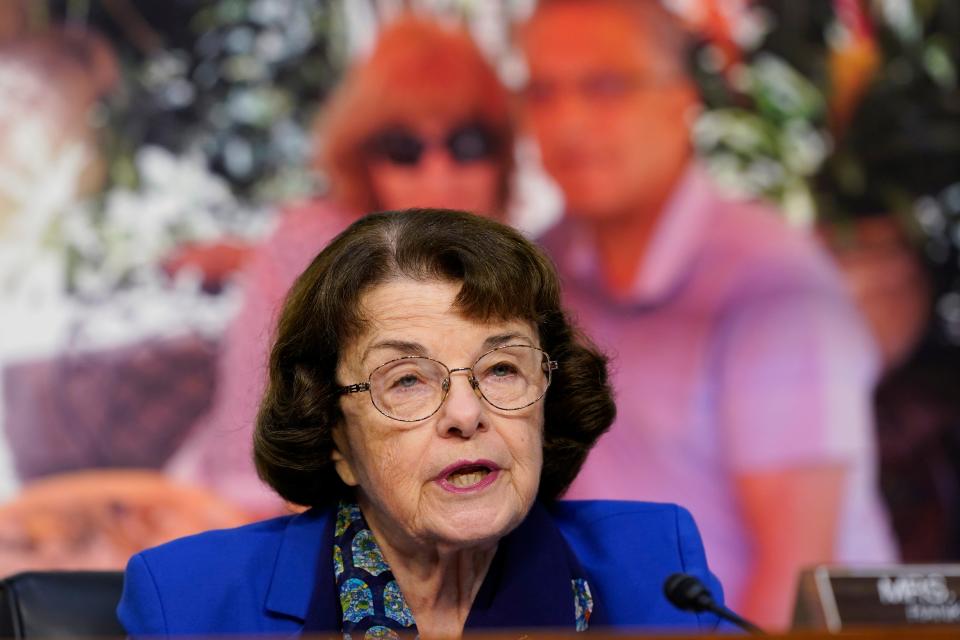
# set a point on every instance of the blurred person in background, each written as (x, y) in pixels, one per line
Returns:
(422, 121)
(12, 19)
(743, 370)
(50, 155)
(51, 82)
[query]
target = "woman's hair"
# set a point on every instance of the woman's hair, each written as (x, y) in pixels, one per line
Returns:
(418, 69)
(503, 276)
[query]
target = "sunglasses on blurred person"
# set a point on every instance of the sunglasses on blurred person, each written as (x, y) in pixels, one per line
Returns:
(467, 143)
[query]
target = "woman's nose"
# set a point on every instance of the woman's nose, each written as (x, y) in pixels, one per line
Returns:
(436, 163)
(462, 411)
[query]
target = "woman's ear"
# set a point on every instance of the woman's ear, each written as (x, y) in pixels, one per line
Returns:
(342, 457)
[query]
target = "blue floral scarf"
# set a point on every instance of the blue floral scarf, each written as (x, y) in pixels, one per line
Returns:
(534, 580)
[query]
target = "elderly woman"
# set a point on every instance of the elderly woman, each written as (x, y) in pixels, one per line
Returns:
(421, 121)
(430, 401)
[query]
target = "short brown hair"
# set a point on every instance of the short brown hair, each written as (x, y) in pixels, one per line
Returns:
(504, 277)
(665, 29)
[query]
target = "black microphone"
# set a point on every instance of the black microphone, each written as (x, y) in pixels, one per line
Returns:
(688, 593)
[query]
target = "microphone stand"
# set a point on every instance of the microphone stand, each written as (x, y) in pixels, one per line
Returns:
(731, 616)
(688, 593)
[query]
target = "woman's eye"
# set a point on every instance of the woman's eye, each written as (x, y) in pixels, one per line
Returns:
(405, 382)
(502, 369)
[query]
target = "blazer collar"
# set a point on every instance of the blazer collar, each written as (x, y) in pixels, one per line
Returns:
(295, 572)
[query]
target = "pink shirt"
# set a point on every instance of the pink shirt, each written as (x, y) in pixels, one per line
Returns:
(737, 350)
(218, 453)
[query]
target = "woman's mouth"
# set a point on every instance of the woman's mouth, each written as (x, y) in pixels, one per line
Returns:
(465, 476)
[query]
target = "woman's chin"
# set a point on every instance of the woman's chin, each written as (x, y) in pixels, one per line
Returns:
(478, 521)
(471, 534)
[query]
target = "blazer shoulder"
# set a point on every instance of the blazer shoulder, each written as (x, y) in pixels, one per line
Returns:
(628, 549)
(205, 583)
(224, 547)
(652, 531)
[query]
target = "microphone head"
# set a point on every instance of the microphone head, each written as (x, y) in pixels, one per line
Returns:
(688, 593)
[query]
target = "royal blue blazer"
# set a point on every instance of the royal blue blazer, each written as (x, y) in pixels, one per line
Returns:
(259, 578)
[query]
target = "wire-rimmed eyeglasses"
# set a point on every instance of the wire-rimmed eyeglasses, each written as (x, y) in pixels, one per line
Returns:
(413, 388)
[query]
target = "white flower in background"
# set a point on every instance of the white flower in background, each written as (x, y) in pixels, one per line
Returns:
(40, 167)
(734, 129)
(747, 23)
(902, 18)
(77, 274)
(773, 151)
(36, 191)
(178, 201)
(798, 205)
(804, 147)
(782, 89)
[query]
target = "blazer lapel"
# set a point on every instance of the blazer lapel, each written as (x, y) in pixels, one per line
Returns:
(296, 573)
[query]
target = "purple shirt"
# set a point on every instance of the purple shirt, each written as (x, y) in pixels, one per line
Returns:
(737, 350)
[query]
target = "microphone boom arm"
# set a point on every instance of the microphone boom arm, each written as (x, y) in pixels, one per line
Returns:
(688, 593)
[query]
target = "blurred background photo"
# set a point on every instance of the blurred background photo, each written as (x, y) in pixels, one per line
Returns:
(754, 206)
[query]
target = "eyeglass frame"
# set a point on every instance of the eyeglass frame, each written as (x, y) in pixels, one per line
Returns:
(548, 366)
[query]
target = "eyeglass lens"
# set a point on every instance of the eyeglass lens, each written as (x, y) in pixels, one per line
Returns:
(466, 143)
(413, 388)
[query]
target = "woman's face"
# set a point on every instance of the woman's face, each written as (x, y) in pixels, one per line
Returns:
(418, 482)
(443, 174)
